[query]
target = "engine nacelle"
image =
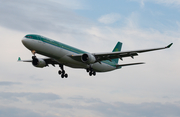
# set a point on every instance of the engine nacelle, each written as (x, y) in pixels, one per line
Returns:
(88, 58)
(38, 62)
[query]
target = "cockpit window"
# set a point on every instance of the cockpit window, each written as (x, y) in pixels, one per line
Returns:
(28, 36)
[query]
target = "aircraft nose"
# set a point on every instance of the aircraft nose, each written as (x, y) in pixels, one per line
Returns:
(24, 41)
(27, 43)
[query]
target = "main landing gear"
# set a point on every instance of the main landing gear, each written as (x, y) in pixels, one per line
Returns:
(62, 72)
(91, 72)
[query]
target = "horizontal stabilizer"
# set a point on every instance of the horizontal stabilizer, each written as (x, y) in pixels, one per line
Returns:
(19, 60)
(122, 65)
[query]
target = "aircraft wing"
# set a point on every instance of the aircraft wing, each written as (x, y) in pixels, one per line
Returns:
(47, 60)
(120, 54)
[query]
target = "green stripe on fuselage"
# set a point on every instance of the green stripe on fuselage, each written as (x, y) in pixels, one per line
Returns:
(55, 43)
(63, 46)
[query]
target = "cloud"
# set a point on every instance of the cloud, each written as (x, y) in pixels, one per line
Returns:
(136, 110)
(109, 18)
(7, 83)
(51, 16)
(116, 109)
(142, 2)
(42, 97)
(18, 112)
(60, 105)
(87, 100)
(165, 2)
(168, 2)
(80, 106)
(75, 4)
(34, 97)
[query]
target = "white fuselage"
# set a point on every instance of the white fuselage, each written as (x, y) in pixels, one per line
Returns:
(62, 55)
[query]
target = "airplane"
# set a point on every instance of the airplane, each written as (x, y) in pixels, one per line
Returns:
(62, 54)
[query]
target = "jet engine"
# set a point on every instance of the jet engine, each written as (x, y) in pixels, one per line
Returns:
(38, 62)
(88, 58)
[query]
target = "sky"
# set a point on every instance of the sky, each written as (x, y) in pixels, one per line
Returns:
(149, 90)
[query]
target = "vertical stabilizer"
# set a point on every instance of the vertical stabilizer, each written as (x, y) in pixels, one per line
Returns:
(116, 49)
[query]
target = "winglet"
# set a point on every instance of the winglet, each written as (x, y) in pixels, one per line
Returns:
(169, 45)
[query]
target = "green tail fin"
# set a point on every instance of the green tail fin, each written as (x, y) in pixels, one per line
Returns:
(116, 49)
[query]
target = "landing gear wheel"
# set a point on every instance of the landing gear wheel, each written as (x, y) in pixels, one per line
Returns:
(59, 72)
(90, 73)
(66, 75)
(94, 73)
(62, 76)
